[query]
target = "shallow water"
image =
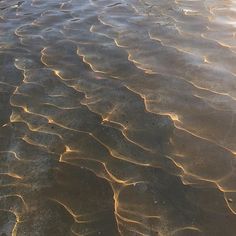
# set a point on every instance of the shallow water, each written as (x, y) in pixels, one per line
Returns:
(117, 117)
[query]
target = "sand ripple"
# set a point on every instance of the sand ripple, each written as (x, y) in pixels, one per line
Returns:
(117, 117)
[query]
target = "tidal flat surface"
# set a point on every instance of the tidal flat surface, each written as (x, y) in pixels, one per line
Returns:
(117, 118)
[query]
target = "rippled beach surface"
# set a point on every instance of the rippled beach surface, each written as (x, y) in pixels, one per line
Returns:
(117, 118)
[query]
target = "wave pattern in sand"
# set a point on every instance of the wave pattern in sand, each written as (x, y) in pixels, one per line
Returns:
(117, 117)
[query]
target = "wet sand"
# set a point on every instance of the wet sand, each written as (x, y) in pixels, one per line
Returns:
(117, 118)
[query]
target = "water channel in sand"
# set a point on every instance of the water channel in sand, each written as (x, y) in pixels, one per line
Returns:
(117, 117)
